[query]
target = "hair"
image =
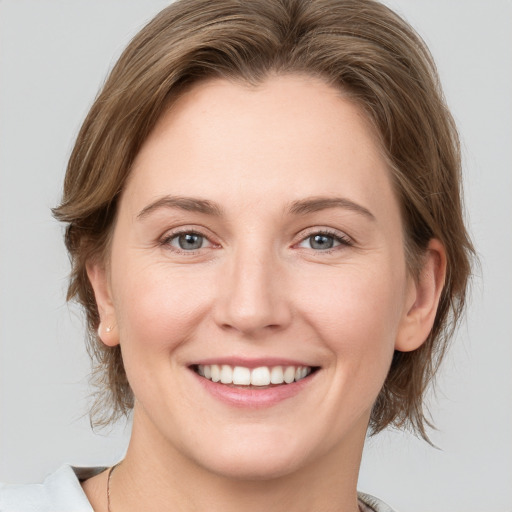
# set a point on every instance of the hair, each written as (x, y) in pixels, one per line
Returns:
(360, 47)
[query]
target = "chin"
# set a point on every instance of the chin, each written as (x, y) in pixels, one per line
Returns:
(255, 469)
(256, 460)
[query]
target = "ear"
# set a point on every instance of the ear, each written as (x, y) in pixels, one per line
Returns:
(422, 299)
(98, 276)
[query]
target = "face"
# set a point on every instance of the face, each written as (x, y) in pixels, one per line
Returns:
(259, 242)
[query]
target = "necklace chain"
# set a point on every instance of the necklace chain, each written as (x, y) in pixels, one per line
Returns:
(111, 470)
(108, 484)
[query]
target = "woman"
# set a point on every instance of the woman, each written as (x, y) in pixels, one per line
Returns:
(265, 226)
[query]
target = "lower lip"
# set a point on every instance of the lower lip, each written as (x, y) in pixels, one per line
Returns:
(253, 397)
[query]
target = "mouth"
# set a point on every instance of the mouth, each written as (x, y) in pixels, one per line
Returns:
(262, 377)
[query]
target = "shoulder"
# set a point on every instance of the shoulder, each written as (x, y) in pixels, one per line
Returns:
(60, 492)
(369, 503)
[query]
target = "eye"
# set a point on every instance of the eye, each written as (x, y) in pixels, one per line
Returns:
(187, 241)
(323, 241)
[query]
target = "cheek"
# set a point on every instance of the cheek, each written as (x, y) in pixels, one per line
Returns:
(354, 297)
(356, 313)
(157, 307)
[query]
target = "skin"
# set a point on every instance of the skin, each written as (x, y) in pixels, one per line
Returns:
(257, 288)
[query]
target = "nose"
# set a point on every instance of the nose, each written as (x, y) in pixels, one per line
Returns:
(252, 297)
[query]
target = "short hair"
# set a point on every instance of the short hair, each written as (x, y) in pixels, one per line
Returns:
(358, 46)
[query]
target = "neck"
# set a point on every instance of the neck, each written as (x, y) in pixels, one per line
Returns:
(158, 477)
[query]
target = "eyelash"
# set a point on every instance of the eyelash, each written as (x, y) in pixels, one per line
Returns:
(166, 241)
(342, 239)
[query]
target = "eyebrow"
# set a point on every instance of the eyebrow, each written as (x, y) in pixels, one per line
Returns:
(189, 204)
(299, 207)
(315, 204)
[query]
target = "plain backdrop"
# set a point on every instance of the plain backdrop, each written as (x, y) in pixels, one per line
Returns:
(54, 55)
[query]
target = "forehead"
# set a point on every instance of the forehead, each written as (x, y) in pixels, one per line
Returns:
(291, 134)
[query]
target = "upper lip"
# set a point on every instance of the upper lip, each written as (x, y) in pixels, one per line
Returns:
(251, 362)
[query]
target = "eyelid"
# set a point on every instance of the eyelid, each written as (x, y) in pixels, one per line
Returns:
(343, 239)
(340, 236)
(171, 234)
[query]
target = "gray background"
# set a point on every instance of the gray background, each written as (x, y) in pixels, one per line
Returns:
(53, 57)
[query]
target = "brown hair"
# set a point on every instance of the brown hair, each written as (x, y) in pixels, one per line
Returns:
(359, 46)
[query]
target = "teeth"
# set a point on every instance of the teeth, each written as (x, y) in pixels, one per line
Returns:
(241, 376)
(289, 374)
(226, 374)
(262, 376)
(215, 372)
(276, 375)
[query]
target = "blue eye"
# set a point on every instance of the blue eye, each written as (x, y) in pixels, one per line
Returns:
(189, 241)
(323, 241)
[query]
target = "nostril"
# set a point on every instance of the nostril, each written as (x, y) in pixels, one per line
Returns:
(247, 328)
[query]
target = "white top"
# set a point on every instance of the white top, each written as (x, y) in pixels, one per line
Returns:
(62, 492)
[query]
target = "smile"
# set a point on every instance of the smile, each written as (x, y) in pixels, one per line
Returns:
(261, 376)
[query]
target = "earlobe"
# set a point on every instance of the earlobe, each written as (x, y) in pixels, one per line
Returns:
(98, 277)
(422, 300)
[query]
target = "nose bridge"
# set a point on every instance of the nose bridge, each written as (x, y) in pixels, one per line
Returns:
(253, 299)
